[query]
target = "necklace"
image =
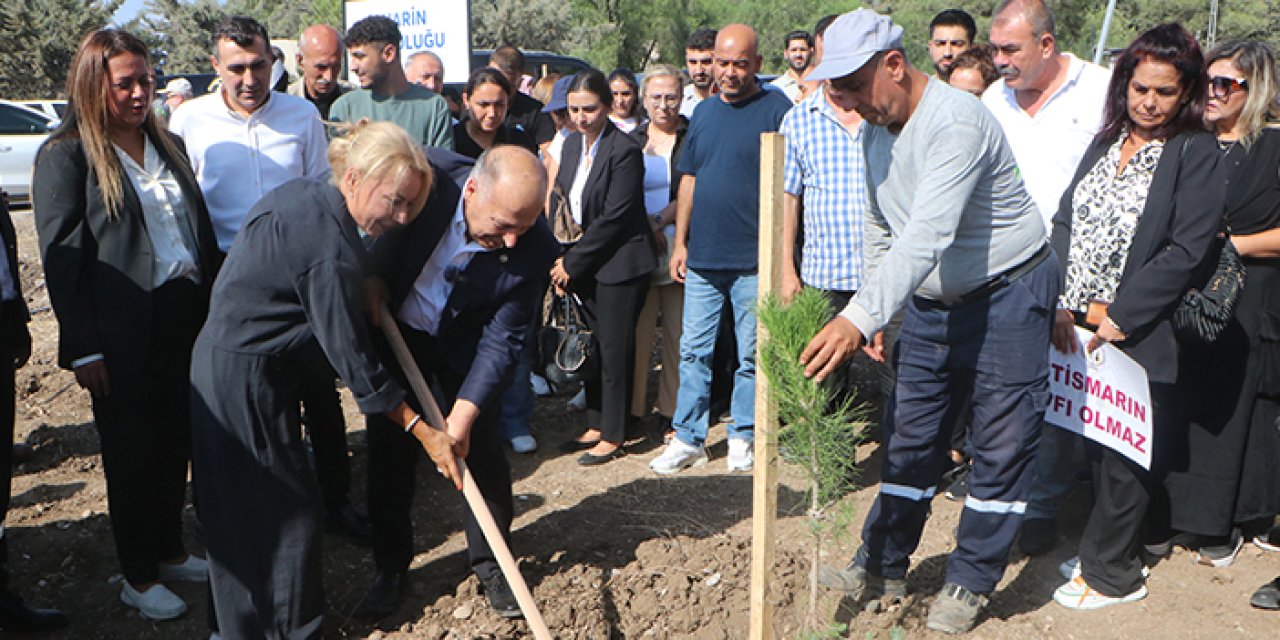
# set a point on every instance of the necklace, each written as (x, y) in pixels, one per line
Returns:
(1227, 145)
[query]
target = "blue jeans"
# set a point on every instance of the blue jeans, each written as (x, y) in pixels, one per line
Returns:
(517, 400)
(705, 292)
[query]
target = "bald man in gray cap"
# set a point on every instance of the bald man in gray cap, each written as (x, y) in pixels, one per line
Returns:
(954, 240)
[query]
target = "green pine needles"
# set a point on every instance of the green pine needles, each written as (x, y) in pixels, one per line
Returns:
(822, 425)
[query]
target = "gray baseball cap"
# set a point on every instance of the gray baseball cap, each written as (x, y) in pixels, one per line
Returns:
(852, 40)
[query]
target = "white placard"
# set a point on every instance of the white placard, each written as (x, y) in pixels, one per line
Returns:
(440, 26)
(1103, 396)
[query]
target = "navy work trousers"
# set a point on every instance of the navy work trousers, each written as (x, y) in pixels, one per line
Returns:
(994, 352)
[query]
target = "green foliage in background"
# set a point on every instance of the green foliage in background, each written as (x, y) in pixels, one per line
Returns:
(38, 38)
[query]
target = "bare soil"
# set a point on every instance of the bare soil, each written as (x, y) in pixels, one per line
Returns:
(610, 552)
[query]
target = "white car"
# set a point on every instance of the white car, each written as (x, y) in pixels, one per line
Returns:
(56, 109)
(22, 131)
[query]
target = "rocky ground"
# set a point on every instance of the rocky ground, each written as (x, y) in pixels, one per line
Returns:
(610, 552)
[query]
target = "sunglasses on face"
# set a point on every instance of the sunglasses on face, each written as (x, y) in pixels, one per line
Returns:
(1221, 87)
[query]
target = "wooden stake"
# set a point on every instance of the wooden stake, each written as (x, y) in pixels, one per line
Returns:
(765, 486)
(492, 534)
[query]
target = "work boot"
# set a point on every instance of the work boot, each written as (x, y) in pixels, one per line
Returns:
(858, 583)
(956, 609)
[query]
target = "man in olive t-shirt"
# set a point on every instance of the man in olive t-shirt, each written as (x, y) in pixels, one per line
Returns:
(385, 94)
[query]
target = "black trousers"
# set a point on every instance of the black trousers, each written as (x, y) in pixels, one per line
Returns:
(144, 425)
(1126, 500)
(613, 310)
(393, 461)
(322, 416)
(6, 452)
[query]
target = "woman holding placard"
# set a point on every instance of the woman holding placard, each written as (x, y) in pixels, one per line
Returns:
(1137, 220)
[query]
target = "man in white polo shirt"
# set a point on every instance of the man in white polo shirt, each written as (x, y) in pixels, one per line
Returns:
(245, 140)
(1049, 105)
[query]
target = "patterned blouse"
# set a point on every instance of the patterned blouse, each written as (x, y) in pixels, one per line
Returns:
(1107, 204)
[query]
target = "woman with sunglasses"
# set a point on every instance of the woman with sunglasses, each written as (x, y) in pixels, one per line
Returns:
(1231, 478)
(1136, 222)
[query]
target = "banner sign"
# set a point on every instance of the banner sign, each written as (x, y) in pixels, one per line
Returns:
(1102, 396)
(440, 26)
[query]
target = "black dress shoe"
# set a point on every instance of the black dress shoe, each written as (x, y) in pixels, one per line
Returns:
(573, 446)
(16, 616)
(589, 459)
(383, 598)
(501, 599)
(22, 452)
(344, 519)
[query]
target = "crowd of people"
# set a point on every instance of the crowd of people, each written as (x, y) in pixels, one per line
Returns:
(217, 263)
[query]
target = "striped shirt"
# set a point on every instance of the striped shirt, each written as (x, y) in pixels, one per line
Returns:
(825, 168)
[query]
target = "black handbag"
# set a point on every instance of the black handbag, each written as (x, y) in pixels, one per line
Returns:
(1205, 311)
(567, 346)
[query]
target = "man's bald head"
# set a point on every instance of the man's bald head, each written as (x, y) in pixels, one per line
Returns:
(1036, 13)
(738, 37)
(504, 196)
(320, 59)
(737, 61)
(427, 69)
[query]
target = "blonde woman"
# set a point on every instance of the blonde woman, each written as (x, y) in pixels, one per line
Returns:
(1229, 486)
(129, 257)
(288, 299)
(660, 138)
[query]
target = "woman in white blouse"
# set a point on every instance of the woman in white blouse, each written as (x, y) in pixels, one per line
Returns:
(660, 139)
(129, 258)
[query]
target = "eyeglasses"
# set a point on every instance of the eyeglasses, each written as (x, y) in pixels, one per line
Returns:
(1221, 87)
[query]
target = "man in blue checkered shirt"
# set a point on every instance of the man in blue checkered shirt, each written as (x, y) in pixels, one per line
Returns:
(826, 190)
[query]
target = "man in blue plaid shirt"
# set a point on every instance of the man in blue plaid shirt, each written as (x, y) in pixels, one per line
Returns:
(826, 189)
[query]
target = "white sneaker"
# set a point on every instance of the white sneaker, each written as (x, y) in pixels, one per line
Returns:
(742, 455)
(156, 603)
(1076, 594)
(1070, 570)
(193, 569)
(677, 456)
(540, 386)
(524, 444)
(578, 402)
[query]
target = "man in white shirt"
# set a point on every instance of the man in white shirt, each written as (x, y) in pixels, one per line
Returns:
(244, 140)
(699, 57)
(1049, 105)
(798, 52)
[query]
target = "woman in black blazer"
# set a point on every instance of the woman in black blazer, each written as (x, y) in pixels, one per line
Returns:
(602, 176)
(129, 258)
(1133, 227)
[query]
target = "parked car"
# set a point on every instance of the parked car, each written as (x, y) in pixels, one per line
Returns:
(56, 109)
(22, 131)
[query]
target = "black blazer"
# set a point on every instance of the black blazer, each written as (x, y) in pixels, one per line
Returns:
(492, 302)
(13, 315)
(1182, 216)
(641, 135)
(617, 243)
(99, 271)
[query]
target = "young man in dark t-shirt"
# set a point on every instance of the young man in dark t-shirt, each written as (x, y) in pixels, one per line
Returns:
(714, 255)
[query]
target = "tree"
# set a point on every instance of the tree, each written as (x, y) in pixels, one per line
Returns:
(528, 24)
(38, 38)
